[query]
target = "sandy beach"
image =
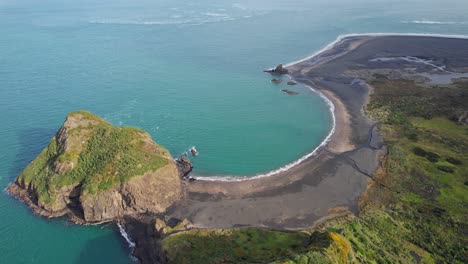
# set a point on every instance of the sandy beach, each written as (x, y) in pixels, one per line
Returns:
(304, 193)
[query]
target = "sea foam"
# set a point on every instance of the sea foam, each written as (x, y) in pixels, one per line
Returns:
(431, 22)
(125, 235)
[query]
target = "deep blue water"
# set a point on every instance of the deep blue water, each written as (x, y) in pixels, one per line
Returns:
(188, 73)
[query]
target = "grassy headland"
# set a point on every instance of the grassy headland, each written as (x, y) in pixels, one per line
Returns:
(93, 153)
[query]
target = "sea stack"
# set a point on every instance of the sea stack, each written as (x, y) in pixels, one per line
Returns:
(278, 70)
(96, 172)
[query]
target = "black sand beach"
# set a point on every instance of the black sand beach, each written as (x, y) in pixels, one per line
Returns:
(339, 173)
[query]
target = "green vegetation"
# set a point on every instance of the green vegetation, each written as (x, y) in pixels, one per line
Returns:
(248, 246)
(421, 214)
(91, 152)
(417, 213)
(394, 100)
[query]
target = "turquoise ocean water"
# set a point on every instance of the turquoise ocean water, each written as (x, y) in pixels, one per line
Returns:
(189, 73)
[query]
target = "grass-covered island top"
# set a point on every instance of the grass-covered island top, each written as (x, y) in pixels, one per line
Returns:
(89, 157)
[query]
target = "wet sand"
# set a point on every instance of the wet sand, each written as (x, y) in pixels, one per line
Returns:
(339, 173)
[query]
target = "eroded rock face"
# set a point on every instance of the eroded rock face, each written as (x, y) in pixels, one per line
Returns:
(184, 166)
(278, 70)
(153, 192)
(128, 175)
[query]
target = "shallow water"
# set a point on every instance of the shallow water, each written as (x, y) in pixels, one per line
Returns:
(188, 73)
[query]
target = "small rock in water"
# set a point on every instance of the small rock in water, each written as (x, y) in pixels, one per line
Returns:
(292, 83)
(276, 81)
(194, 151)
(289, 92)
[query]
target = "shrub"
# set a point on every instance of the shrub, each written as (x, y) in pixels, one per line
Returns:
(379, 76)
(454, 161)
(446, 169)
(419, 152)
(432, 157)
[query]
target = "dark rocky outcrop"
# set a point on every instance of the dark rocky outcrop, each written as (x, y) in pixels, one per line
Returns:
(278, 70)
(184, 166)
(289, 92)
(292, 83)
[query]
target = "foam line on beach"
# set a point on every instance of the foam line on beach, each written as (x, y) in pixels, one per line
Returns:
(327, 100)
(345, 36)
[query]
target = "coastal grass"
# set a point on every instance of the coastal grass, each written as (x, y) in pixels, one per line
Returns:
(248, 245)
(418, 212)
(253, 245)
(98, 156)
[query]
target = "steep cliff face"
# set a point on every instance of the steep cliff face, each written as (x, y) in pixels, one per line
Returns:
(99, 172)
(153, 192)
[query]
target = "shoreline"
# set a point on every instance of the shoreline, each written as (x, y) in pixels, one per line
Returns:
(325, 141)
(329, 99)
(338, 173)
(218, 203)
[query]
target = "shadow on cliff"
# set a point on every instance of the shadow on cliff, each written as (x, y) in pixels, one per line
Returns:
(31, 142)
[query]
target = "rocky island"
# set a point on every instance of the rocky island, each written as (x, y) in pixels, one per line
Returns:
(95, 172)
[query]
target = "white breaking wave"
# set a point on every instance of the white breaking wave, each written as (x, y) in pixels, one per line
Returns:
(139, 22)
(125, 235)
(328, 101)
(239, 6)
(431, 22)
(176, 20)
(216, 14)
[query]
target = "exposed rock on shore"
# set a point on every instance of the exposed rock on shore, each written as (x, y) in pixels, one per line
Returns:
(96, 172)
(184, 166)
(278, 70)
